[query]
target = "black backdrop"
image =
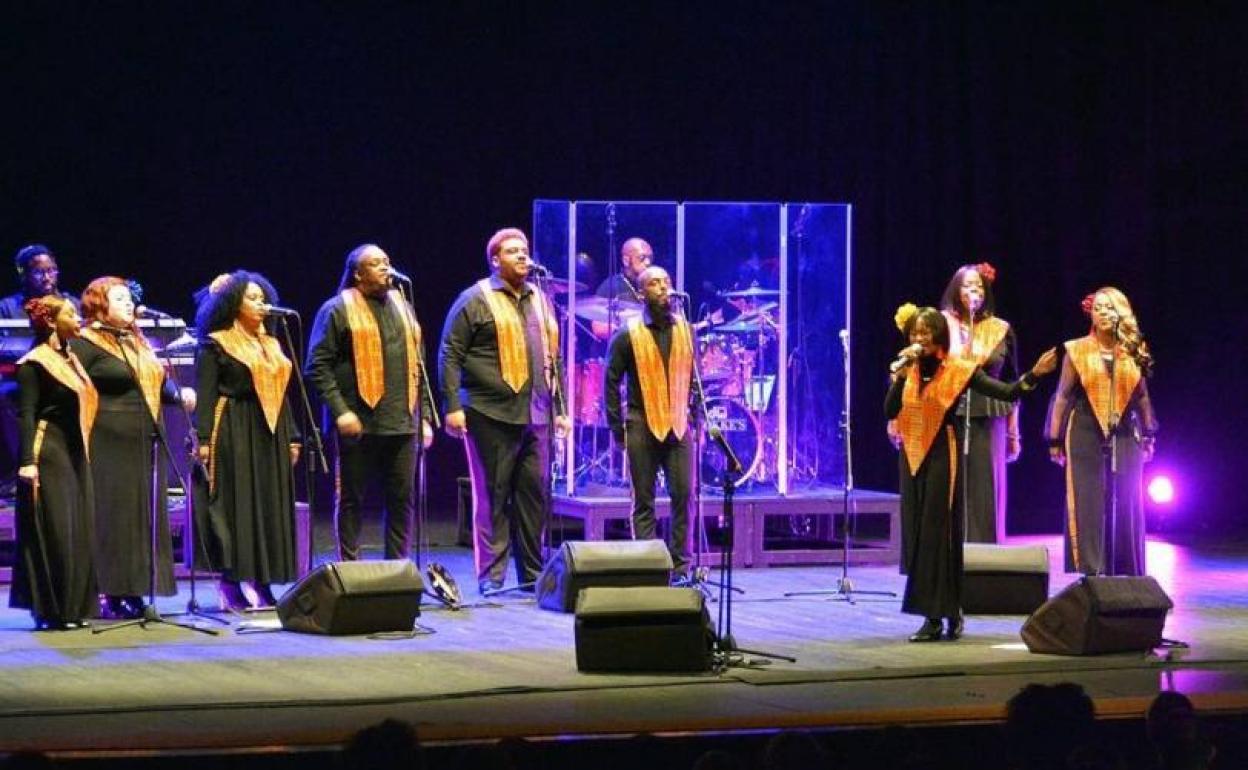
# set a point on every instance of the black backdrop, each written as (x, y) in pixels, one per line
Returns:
(1071, 144)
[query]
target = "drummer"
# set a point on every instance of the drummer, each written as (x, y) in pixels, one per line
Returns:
(624, 287)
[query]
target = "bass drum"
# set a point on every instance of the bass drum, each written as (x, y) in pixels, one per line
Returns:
(741, 430)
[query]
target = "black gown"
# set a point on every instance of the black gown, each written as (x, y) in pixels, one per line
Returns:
(250, 511)
(121, 470)
(1090, 521)
(53, 572)
(931, 524)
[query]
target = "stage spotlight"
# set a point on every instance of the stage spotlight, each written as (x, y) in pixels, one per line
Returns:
(1161, 490)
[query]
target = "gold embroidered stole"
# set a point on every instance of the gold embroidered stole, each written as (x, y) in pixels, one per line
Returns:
(513, 351)
(366, 347)
(1085, 355)
(923, 409)
(987, 336)
(269, 367)
(664, 391)
(147, 368)
(68, 371)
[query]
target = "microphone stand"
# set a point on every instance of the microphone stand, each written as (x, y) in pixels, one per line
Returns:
(844, 586)
(1110, 449)
(425, 397)
(312, 438)
(972, 308)
(188, 531)
(698, 577)
(158, 441)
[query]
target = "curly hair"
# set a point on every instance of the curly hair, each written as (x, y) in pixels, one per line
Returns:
(1128, 327)
(951, 300)
(43, 312)
(219, 307)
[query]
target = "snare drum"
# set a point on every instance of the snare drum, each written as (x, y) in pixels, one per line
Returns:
(742, 432)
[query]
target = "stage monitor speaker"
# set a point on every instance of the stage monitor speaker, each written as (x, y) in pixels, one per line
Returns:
(579, 564)
(1004, 580)
(353, 597)
(1098, 615)
(642, 629)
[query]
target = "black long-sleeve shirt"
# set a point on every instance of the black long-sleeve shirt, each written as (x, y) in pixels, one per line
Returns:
(621, 361)
(468, 359)
(980, 382)
(331, 368)
(42, 397)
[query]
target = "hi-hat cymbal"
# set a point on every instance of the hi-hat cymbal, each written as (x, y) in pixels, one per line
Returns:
(600, 308)
(753, 291)
(561, 285)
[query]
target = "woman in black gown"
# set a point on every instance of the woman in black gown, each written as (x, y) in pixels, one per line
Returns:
(53, 573)
(927, 384)
(1101, 410)
(132, 385)
(247, 440)
(978, 333)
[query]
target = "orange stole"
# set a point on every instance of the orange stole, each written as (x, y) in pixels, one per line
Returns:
(923, 409)
(366, 347)
(987, 336)
(269, 367)
(69, 372)
(666, 399)
(513, 350)
(147, 368)
(1085, 355)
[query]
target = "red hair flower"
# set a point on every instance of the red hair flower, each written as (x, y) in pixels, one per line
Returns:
(987, 272)
(1087, 303)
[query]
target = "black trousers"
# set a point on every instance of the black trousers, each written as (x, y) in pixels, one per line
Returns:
(390, 460)
(509, 465)
(646, 455)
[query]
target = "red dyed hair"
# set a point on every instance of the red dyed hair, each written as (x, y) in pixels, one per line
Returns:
(95, 297)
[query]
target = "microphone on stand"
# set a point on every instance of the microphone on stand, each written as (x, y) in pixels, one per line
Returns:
(143, 311)
(907, 356)
(116, 331)
(280, 312)
(539, 269)
(399, 275)
(734, 464)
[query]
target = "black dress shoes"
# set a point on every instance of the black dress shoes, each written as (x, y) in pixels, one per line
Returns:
(930, 631)
(264, 594)
(953, 630)
(231, 594)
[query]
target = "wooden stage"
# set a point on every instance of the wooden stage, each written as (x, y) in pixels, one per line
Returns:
(506, 668)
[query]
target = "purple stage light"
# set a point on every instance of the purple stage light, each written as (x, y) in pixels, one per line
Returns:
(1161, 490)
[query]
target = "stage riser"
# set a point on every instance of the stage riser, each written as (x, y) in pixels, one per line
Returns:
(876, 538)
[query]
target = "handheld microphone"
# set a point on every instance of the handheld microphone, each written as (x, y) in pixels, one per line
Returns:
(399, 275)
(143, 311)
(280, 312)
(907, 355)
(734, 464)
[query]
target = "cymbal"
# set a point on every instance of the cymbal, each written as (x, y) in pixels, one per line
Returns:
(562, 285)
(753, 291)
(748, 325)
(599, 308)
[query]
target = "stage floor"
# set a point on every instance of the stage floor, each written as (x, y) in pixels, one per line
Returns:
(506, 668)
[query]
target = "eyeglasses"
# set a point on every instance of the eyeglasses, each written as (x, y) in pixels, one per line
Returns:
(44, 271)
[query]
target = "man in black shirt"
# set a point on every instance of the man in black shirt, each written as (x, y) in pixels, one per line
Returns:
(365, 360)
(498, 358)
(656, 353)
(39, 274)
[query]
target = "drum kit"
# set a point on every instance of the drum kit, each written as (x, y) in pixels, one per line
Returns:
(738, 366)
